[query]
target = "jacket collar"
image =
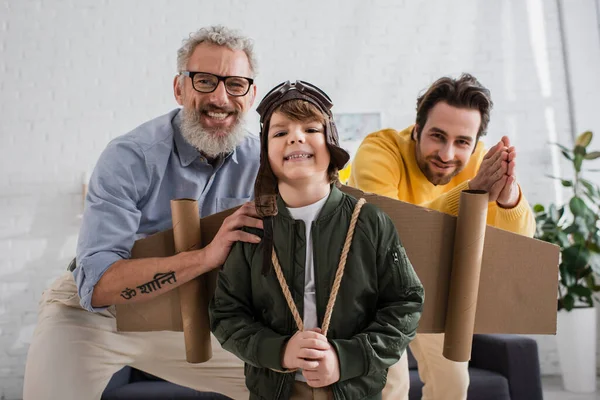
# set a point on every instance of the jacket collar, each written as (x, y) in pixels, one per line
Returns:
(332, 203)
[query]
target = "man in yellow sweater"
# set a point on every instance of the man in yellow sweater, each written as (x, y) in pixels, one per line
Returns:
(429, 164)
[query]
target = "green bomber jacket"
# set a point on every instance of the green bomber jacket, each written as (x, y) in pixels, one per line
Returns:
(376, 312)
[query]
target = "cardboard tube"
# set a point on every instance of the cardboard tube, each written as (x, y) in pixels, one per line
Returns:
(193, 295)
(464, 280)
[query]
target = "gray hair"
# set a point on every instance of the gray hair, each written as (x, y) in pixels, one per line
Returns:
(218, 35)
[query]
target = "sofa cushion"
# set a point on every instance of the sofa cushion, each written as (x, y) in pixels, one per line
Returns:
(132, 384)
(485, 385)
(412, 363)
(158, 390)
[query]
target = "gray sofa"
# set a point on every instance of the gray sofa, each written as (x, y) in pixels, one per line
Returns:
(502, 367)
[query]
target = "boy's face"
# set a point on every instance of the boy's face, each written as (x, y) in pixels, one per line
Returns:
(297, 150)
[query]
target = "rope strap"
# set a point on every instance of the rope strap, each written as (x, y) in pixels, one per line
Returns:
(336, 282)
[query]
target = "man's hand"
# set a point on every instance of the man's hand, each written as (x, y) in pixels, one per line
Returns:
(305, 350)
(510, 194)
(326, 373)
(217, 251)
(492, 175)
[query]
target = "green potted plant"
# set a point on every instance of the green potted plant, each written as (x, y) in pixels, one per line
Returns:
(574, 227)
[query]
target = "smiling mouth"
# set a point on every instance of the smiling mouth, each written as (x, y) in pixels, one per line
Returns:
(297, 157)
(217, 115)
(442, 166)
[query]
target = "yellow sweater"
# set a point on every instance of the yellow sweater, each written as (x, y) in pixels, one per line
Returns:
(385, 164)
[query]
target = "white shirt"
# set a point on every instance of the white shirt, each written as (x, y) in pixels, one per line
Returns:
(308, 214)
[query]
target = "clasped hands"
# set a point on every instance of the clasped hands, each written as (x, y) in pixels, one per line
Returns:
(311, 351)
(496, 175)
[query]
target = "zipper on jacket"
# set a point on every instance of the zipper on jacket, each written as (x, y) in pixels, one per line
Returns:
(337, 392)
(293, 267)
(313, 238)
(278, 395)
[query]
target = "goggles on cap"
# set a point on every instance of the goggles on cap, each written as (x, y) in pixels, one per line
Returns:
(280, 90)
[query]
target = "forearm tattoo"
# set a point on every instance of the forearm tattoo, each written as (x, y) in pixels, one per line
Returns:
(162, 278)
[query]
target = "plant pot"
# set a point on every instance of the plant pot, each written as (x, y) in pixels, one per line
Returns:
(576, 342)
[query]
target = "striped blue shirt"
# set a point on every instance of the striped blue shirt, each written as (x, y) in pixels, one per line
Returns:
(133, 183)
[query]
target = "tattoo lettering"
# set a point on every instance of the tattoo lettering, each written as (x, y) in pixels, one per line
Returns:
(167, 277)
(156, 283)
(128, 293)
(149, 287)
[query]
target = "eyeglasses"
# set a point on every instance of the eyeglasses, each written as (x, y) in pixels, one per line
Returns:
(204, 82)
(303, 87)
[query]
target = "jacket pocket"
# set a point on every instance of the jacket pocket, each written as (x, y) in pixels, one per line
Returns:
(262, 382)
(364, 387)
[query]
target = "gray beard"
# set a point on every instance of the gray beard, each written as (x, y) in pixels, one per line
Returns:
(207, 141)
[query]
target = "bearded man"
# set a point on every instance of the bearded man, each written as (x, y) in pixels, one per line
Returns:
(200, 151)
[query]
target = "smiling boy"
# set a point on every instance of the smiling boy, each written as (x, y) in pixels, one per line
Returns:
(320, 355)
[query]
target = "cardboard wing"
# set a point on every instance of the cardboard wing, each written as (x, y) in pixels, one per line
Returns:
(517, 287)
(185, 309)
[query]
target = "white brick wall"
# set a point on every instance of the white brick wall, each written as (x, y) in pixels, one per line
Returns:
(583, 63)
(74, 74)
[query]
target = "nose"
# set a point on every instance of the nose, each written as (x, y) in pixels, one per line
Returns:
(446, 153)
(296, 134)
(219, 96)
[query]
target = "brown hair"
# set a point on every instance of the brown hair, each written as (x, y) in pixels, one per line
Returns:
(464, 92)
(302, 110)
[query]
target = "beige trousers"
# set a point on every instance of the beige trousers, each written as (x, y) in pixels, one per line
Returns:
(74, 353)
(443, 379)
(301, 391)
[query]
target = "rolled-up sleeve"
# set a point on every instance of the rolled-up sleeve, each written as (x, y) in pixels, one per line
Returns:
(111, 217)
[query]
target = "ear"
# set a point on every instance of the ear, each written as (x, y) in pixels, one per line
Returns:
(414, 132)
(252, 95)
(475, 146)
(178, 90)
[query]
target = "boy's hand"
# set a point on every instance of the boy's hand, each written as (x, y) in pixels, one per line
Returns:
(305, 350)
(326, 373)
